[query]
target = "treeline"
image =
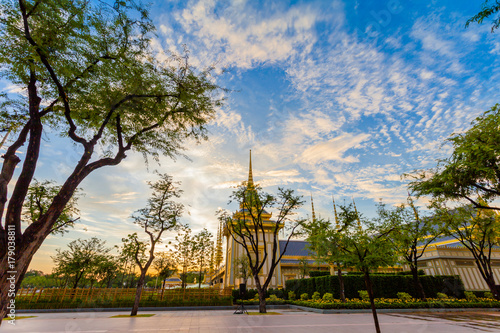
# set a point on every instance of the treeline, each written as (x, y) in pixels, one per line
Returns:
(88, 263)
(38, 279)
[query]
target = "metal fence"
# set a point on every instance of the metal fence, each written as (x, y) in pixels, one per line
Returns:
(35, 295)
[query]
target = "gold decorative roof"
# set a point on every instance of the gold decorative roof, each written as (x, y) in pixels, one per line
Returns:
(250, 175)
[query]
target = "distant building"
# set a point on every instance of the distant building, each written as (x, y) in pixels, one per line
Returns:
(172, 282)
(289, 266)
(446, 256)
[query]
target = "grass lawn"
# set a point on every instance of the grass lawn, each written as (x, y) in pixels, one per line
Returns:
(263, 314)
(19, 317)
(129, 316)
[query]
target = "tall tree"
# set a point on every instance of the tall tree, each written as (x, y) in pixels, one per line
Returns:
(184, 253)
(473, 169)
(88, 71)
(126, 254)
(161, 214)
(250, 226)
(476, 229)
(365, 248)
(80, 259)
(165, 266)
(242, 268)
(203, 246)
(304, 268)
(107, 269)
(324, 240)
(410, 236)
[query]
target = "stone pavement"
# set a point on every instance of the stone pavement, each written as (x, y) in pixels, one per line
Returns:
(289, 321)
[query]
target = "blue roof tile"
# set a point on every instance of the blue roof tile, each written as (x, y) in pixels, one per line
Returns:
(295, 248)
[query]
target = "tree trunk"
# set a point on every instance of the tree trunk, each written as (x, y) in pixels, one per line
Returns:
(341, 284)
(483, 263)
(162, 290)
(12, 276)
(369, 289)
(138, 292)
(183, 279)
(262, 300)
(493, 288)
(417, 283)
(76, 283)
(262, 294)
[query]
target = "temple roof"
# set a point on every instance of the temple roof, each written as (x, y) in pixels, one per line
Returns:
(295, 248)
(297, 261)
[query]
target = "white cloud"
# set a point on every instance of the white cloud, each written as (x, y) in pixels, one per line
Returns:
(333, 149)
(238, 34)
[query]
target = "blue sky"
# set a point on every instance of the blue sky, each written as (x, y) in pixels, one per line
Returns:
(333, 97)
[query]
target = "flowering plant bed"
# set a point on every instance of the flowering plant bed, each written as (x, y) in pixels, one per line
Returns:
(269, 301)
(396, 303)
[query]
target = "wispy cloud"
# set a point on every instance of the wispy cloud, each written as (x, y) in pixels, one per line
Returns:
(241, 35)
(333, 149)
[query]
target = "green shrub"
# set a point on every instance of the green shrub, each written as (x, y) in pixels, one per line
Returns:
(363, 294)
(318, 273)
(292, 296)
(316, 296)
(280, 293)
(442, 296)
(382, 303)
(470, 296)
(304, 296)
(419, 272)
(273, 297)
(488, 294)
(311, 285)
(328, 297)
(404, 296)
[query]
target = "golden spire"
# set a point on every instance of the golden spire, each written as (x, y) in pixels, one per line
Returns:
(250, 176)
(357, 215)
(336, 217)
(312, 206)
(218, 249)
(211, 269)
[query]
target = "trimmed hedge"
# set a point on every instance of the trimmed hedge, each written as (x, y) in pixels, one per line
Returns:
(384, 285)
(251, 293)
(419, 272)
(318, 273)
(384, 303)
(102, 303)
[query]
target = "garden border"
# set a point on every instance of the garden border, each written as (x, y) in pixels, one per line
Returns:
(254, 307)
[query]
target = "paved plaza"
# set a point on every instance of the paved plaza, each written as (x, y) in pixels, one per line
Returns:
(290, 320)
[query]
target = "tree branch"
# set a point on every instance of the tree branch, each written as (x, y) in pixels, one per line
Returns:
(34, 8)
(62, 93)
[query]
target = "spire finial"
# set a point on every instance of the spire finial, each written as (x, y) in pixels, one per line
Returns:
(312, 206)
(218, 246)
(357, 215)
(335, 211)
(250, 176)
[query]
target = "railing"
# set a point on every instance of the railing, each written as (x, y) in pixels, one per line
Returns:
(34, 295)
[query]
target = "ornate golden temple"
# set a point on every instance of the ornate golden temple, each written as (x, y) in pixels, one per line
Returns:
(445, 256)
